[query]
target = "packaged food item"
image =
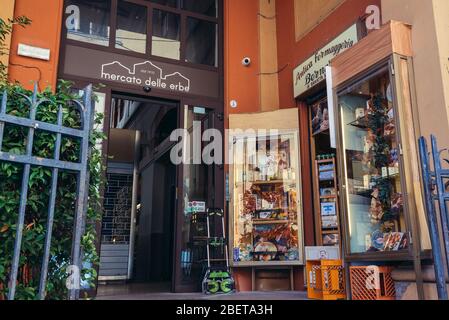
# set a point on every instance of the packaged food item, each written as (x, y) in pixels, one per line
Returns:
(330, 239)
(376, 211)
(393, 240)
(359, 113)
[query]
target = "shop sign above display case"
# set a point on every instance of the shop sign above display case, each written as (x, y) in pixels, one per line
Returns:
(312, 71)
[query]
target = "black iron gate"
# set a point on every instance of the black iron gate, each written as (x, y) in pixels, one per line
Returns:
(436, 190)
(28, 160)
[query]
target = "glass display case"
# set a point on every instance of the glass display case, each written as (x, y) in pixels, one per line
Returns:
(372, 167)
(266, 218)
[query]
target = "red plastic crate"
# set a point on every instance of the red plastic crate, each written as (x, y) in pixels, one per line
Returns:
(372, 283)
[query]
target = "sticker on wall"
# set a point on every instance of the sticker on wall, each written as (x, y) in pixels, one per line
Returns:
(196, 206)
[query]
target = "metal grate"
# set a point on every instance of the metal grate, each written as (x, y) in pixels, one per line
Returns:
(333, 280)
(116, 222)
(28, 160)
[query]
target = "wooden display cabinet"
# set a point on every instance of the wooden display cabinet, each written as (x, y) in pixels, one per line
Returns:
(266, 219)
(377, 151)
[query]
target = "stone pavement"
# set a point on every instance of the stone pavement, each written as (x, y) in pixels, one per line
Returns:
(140, 292)
(244, 296)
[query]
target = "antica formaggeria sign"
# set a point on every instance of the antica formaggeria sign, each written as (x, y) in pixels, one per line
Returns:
(313, 70)
(145, 74)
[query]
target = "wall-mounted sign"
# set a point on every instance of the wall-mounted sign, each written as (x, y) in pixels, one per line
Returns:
(313, 70)
(145, 74)
(196, 206)
(33, 52)
(112, 68)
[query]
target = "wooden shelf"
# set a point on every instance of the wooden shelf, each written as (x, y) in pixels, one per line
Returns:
(326, 170)
(363, 193)
(329, 197)
(329, 231)
(325, 161)
(258, 183)
(268, 221)
(361, 123)
(274, 209)
(273, 182)
(326, 180)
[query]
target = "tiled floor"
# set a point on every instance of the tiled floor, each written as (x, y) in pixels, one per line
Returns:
(161, 292)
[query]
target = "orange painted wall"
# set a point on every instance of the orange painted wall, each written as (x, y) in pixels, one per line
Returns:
(44, 32)
(241, 40)
(6, 12)
(242, 84)
(293, 53)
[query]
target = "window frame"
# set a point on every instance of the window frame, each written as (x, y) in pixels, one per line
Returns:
(389, 64)
(184, 14)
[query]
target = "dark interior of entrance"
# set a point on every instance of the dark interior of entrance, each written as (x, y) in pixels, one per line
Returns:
(137, 236)
(155, 223)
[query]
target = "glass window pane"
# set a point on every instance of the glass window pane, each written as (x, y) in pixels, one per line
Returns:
(131, 27)
(195, 188)
(371, 154)
(207, 7)
(265, 181)
(201, 46)
(166, 35)
(170, 3)
(89, 21)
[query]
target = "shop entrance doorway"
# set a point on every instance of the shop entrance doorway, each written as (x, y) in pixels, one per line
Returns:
(138, 226)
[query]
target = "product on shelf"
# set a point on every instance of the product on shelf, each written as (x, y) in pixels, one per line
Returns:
(394, 241)
(320, 117)
(327, 192)
(326, 175)
(330, 239)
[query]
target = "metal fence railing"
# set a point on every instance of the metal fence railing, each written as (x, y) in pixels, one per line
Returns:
(27, 160)
(436, 191)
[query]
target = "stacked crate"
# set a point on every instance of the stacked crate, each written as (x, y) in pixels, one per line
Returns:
(372, 283)
(326, 280)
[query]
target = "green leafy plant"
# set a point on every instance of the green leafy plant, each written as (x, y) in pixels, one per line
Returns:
(5, 30)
